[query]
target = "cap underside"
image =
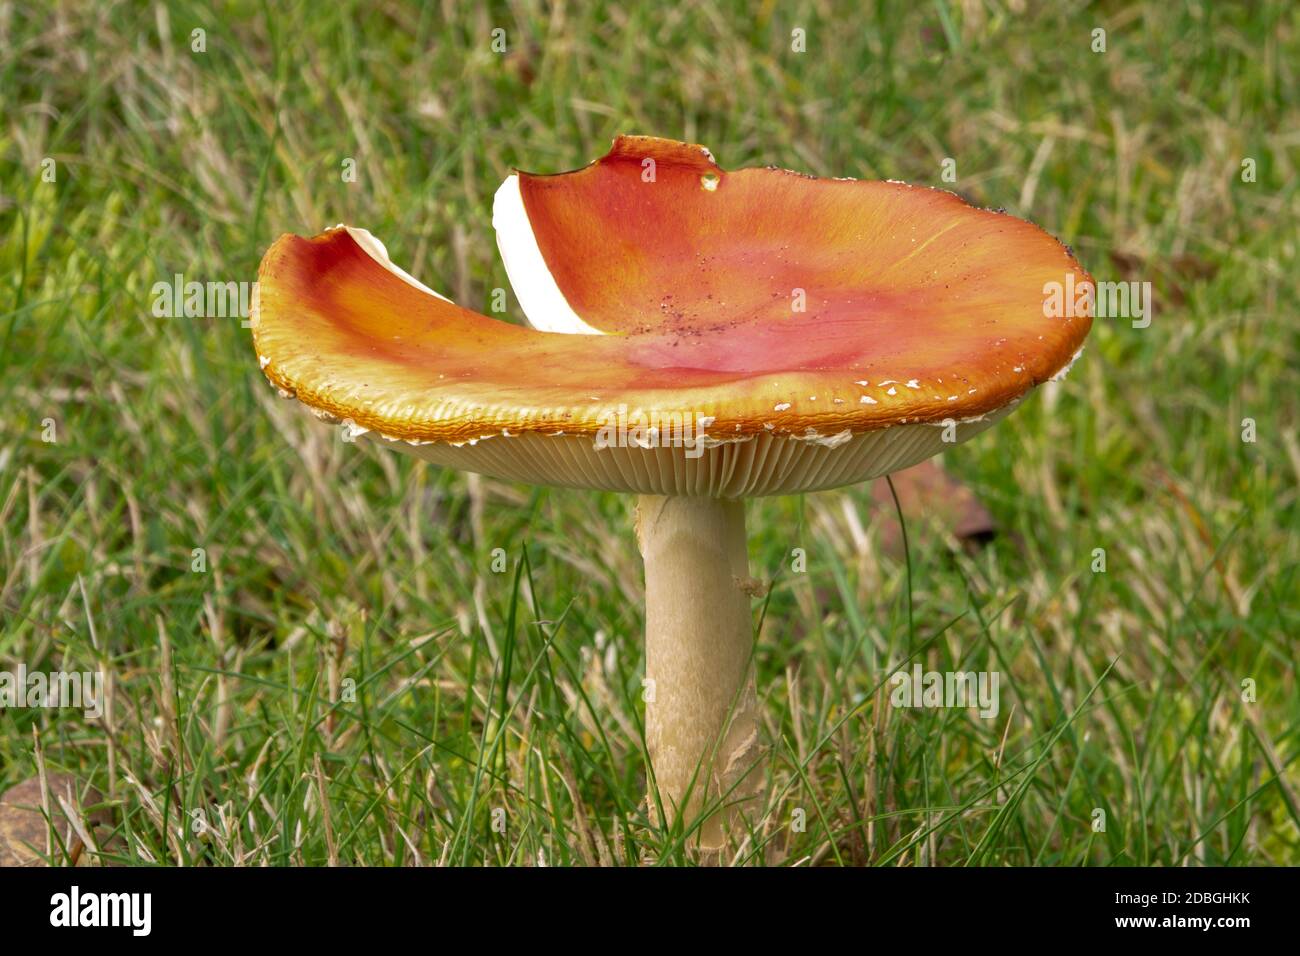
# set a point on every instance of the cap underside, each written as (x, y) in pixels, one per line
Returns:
(750, 468)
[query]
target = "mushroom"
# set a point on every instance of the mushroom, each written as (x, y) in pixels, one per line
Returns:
(698, 337)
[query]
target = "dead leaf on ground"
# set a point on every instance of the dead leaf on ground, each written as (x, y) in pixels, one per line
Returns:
(1177, 271)
(25, 838)
(930, 498)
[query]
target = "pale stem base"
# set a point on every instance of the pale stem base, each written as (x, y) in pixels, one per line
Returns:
(702, 726)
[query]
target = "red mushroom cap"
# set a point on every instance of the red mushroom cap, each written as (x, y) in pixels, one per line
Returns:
(769, 303)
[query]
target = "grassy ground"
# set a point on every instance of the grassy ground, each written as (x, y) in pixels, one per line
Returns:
(479, 692)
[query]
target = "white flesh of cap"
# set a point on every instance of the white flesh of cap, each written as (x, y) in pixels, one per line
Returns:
(377, 251)
(543, 303)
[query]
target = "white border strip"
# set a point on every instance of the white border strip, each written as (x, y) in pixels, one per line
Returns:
(539, 296)
(377, 251)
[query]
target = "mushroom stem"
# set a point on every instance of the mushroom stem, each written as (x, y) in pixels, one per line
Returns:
(701, 710)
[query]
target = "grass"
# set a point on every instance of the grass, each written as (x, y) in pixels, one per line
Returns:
(478, 692)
